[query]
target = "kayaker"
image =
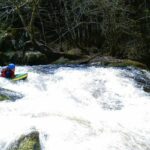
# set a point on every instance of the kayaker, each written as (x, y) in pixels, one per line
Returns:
(8, 71)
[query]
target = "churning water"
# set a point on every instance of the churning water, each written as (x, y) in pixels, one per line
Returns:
(78, 108)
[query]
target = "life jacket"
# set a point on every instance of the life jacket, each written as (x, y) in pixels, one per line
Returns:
(7, 73)
(3, 72)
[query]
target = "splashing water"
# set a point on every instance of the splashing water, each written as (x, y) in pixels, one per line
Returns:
(78, 108)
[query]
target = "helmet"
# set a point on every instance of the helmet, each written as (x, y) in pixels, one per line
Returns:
(11, 66)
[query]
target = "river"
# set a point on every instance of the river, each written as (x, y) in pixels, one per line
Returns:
(78, 108)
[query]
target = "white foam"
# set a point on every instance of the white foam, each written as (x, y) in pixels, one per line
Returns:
(73, 108)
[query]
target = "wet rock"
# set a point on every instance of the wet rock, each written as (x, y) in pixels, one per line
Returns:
(71, 59)
(17, 57)
(6, 94)
(3, 97)
(74, 51)
(143, 81)
(61, 60)
(27, 142)
(141, 78)
(146, 89)
(113, 62)
(35, 58)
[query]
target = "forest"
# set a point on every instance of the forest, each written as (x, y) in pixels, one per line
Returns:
(119, 28)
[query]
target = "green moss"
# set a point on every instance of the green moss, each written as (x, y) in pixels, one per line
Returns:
(74, 52)
(126, 62)
(27, 142)
(3, 97)
(31, 143)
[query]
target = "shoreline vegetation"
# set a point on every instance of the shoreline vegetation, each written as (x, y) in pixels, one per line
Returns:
(37, 58)
(72, 31)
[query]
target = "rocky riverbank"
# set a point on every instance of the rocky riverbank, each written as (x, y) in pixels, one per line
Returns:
(75, 57)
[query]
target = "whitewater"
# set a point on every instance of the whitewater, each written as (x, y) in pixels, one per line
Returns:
(78, 108)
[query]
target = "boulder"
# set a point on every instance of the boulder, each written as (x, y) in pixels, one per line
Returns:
(61, 60)
(6, 94)
(114, 62)
(35, 58)
(27, 142)
(17, 57)
(3, 97)
(75, 51)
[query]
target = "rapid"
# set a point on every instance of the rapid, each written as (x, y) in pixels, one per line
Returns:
(78, 108)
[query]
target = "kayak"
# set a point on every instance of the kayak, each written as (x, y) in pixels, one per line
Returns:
(21, 76)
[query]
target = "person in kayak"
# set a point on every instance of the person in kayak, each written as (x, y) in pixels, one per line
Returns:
(9, 71)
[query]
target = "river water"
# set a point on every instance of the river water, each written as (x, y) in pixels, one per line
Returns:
(78, 108)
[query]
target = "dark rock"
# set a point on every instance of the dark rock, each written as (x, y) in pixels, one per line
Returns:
(6, 94)
(143, 81)
(146, 89)
(3, 97)
(114, 62)
(17, 57)
(61, 60)
(35, 58)
(75, 51)
(140, 77)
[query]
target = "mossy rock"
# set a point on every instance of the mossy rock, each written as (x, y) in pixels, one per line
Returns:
(114, 62)
(35, 58)
(27, 142)
(30, 142)
(4, 97)
(61, 60)
(126, 62)
(10, 95)
(74, 51)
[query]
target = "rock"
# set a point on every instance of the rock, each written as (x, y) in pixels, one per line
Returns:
(114, 62)
(146, 89)
(75, 51)
(17, 57)
(3, 97)
(126, 62)
(140, 76)
(143, 81)
(61, 60)
(35, 58)
(6, 94)
(27, 142)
